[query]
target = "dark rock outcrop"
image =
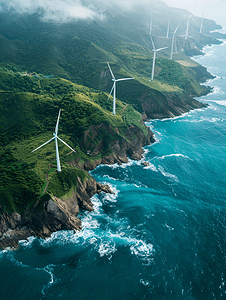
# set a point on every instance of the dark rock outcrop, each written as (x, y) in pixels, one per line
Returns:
(58, 214)
(130, 145)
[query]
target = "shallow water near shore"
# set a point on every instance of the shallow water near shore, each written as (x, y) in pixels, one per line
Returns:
(162, 235)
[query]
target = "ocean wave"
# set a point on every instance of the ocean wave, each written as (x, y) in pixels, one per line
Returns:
(150, 167)
(110, 197)
(166, 174)
(107, 248)
(10, 254)
(175, 155)
(109, 177)
(223, 103)
(217, 90)
(27, 243)
(53, 280)
(5, 251)
(204, 119)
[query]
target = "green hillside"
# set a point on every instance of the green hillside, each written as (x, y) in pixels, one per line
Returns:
(45, 66)
(27, 120)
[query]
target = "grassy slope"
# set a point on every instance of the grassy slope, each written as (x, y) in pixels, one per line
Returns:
(28, 119)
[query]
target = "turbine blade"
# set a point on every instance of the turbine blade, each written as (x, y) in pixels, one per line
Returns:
(57, 124)
(161, 49)
(111, 91)
(44, 144)
(193, 20)
(110, 70)
(177, 28)
(66, 144)
(124, 79)
(152, 43)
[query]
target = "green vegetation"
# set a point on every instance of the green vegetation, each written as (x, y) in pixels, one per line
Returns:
(46, 66)
(27, 119)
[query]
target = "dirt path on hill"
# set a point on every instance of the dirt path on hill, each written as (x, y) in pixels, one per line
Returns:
(124, 109)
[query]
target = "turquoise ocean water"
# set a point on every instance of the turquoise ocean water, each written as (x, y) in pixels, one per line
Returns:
(162, 235)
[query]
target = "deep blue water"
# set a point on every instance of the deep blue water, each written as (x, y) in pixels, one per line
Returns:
(162, 235)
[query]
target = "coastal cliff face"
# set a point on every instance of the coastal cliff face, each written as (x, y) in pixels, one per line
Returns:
(61, 214)
(58, 214)
(130, 145)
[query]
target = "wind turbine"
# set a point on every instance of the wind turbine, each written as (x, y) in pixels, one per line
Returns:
(188, 24)
(55, 137)
(102, 13)
(114, 87)
(154, 56)
(173, 38)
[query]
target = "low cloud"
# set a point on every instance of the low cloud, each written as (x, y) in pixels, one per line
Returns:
(54, 10)
(67, 10)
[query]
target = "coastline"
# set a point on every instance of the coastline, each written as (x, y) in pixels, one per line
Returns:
(56, 217)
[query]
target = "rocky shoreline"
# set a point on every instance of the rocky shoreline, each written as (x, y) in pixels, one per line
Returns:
(58, 215)
(61, 214)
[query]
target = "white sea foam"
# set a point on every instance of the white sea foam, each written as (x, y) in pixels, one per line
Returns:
(109, 177)
(150, 167)
(145, 282)
(168, 227)
(223, 103)
(166, 174)
(53, 280)
(110, 197)
(204, 119)
(217, 90)
(10, 255)
(107, 248)
(174, 155)
(28, 243)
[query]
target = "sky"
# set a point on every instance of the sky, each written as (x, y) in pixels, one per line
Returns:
(64, 10)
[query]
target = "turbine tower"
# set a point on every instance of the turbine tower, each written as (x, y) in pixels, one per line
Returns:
(154, 56)
(188, 24)
(173, 38)
(114, 87)
(55, 137)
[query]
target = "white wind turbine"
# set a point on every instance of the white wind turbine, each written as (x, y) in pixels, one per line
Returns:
(102, 13)
(114, 87)
(55, 137)
(154, 57)
(151, 19)
(188, 24)
(173, 38)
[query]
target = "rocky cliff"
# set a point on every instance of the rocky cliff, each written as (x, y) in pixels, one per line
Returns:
(61, 214)
(58, 214)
